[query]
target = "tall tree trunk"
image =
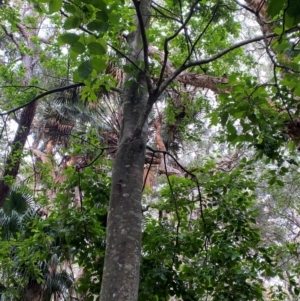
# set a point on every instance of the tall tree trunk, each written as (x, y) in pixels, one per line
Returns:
(12, 164)
(120, 279)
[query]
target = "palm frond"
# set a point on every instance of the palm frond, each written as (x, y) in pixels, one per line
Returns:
(9, 224)
(19, 200)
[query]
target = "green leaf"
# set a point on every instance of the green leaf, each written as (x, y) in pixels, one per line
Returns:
(288, 83)
(289, 21)
(78, 47)
(293, 9)
(54, 6)
(128, 68)
(274, 7)
(101, 15)
(252, 118)
(87, 1)
(98, 64)
(280, 183)
(278, 30)
(272, 181)
(235, 255)
(239, 114)
(231, 129)
(224, 118)
(269, 272)
(96, 3)
(96, 48)
(69, 38)
(214, 118)
(98, 25)
(85, 69)
(100, 4)
(71, 22)
(69, 8)
(297, 90)
(232, 79)
(76, 77)
(243, 138)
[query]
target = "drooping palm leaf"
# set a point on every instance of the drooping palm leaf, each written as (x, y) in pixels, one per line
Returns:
(19, 200)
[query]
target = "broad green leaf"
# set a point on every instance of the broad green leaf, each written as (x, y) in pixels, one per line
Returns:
(288, 83)
(69, 38)
(96, 3)
(297, 90)
(232, 79)
(231, 128)
(297, 59)
(238, 89)
(252, 118)
(224, 118)
(283, 46)
(280, 183)
(289, 21)
(274, 7)
(88, 1)
(278, 30)
(272, 181)
(243, 138)
(78, 47)
(54, 6)
(239, 114)
(100, 4)
(269, 272)
(214, 118)
(98, 64)
(90, 39)
(98, 25)
(85, 69)
(71, 22)
(101, 15)
(128, 68)
(73, 55)
(69, 8)
(293, 9)
(76, 77)
(96, 48)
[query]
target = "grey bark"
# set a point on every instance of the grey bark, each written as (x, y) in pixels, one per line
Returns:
(120, 279)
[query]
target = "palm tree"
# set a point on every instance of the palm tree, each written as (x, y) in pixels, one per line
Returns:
(16, 218)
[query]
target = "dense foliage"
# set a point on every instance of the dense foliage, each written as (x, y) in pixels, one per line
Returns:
(220, 210)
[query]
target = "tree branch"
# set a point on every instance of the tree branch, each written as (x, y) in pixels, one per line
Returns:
(163, 15)
(143, 35)
(25, 87)
(201, 34)
(166, 83)
(11, 36)
(60, 89)
(166, 51)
